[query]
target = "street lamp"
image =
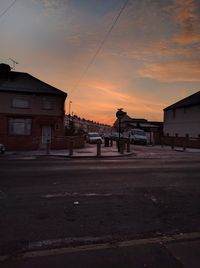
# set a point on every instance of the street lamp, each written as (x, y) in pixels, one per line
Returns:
(70, 108)
(119, 114)
(70, 118)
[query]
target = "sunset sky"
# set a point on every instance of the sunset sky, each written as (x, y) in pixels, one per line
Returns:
(150, 59)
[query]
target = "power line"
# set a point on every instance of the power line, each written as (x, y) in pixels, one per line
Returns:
(101, 45)
(6, 10)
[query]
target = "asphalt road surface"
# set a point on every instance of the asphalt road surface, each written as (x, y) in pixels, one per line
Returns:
(48, 204)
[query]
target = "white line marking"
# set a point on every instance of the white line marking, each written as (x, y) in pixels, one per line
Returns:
(74, 194)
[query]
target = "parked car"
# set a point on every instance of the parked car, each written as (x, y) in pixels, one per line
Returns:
(115, 135)
(2, 148)
(93, 137)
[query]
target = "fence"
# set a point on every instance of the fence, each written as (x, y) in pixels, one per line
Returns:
(177, 141)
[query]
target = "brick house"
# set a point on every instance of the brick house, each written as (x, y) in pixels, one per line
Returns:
(182, 121)
(31, 111)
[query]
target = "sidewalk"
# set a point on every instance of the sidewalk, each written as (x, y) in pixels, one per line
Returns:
(90, 151)
(157, 151)
(149, 252)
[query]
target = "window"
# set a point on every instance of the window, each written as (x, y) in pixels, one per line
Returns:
(20, 126)
(47, 104)
(21, 103)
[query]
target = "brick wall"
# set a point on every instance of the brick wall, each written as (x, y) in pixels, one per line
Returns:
(64, 142)
(33, 142)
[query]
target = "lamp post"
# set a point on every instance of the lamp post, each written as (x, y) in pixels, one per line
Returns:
(70, 108)
(119, 114)
(70, 119)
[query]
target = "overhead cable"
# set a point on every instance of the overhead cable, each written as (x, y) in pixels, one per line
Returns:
(6, 10)
(100, 45)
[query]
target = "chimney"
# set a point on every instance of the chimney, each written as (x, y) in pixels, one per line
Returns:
(4, 71)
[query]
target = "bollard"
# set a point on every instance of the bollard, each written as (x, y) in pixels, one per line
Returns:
(118, 145)
(48, 144)
(71, 147)
(111, 142)
(98, 148)
(121, 145)
(106, 141)
(128, 146)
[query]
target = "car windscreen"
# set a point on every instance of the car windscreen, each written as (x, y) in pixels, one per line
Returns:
(141, 133)
(94, 135)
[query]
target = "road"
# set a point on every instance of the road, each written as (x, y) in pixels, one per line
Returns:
(54, 203)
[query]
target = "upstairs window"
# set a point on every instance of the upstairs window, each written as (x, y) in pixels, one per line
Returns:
(23, 103)
(20, 126)
(47, 104)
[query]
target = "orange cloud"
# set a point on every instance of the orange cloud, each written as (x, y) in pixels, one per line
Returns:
(188, 19)
(173, 71)
(110, 91)
(187, 39)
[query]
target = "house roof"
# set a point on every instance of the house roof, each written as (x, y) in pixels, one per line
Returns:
(146, 125)
(26, 83)
(191, 100)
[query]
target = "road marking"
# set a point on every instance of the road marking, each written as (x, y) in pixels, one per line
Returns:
(74, 194)
(35, 249)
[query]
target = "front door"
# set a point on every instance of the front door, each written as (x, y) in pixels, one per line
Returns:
(46, 134)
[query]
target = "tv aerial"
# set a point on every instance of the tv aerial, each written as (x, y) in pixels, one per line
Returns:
(14, 62)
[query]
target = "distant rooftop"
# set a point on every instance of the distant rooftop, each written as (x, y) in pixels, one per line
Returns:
(191, 100)
(11, 81)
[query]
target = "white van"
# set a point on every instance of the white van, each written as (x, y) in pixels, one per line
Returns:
(93, 137)
(137, 136)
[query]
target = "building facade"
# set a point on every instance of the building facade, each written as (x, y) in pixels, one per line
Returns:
(182, 122)
(31, 111)
(182, 119)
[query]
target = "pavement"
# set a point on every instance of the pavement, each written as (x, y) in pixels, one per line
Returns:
(165, 252)
(90, 151)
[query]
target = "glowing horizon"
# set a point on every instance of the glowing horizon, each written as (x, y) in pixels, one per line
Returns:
(149, 61)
